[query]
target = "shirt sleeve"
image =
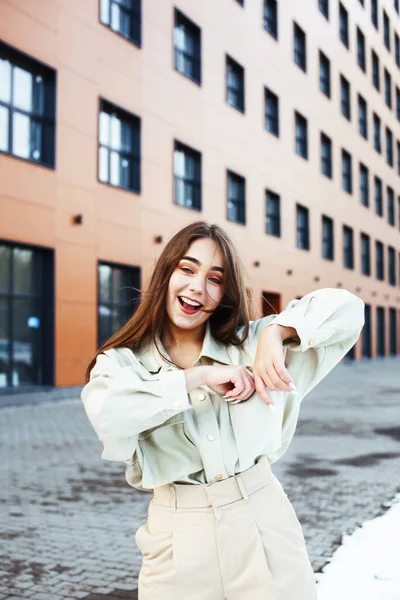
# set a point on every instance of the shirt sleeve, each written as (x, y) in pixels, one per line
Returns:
(328, 323)
(123, 401)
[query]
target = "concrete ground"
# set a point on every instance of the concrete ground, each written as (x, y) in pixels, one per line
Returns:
(68, 519)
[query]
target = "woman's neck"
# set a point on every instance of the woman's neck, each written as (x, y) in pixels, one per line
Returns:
(174, 338)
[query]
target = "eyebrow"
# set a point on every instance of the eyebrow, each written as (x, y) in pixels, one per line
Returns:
(198, 263)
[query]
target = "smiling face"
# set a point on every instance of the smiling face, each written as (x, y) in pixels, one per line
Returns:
(196, 285)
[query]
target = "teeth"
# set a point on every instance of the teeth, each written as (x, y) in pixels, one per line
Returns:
(187, 301)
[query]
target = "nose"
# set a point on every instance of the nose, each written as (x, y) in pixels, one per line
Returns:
(197, 285)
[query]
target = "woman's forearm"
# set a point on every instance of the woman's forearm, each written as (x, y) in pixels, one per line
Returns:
(196, 376)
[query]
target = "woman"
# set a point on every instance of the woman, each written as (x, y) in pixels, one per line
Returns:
(199, 402)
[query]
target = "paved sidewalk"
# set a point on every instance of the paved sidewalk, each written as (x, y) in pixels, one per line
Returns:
(68, 518)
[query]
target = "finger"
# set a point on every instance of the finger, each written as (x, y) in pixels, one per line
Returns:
(238, 389)
(284, 374)
(270, 383)
(261, 390)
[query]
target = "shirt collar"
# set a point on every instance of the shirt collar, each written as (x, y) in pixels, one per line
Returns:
(211, 348)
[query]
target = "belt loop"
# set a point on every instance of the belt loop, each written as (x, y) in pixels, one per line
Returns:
(173, 490)
(241, 487)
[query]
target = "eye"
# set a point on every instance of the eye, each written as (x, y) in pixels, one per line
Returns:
(215, 280)
(187, 270)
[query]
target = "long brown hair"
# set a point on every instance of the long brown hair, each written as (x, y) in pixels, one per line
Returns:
(148, 321)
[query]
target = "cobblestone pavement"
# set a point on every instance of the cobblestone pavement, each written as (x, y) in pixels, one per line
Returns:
(68, 518)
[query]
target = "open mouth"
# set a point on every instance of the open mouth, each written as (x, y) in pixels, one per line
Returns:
(189, 306)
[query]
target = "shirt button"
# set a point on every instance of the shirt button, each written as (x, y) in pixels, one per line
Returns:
(169, 369)
(211, 437)
(311, 342)
(219, 477)
(202, 397)
(176, 404)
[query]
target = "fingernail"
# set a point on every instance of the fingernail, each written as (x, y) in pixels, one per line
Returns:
(272, 407)
(291, 384)
(236, 402)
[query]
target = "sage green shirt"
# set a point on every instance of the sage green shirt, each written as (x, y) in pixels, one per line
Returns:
(141, 411)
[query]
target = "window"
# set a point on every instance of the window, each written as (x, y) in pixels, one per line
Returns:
(398, 157)
(236, 198)
(390, 206)
(380, 261)
(123, 17)
(397, 49)
(27, 107)
(377, 133)
(327, 238)
(389, 147)
(323, 6)
(375, 70)
(273, 214)
(362, 117)
(365, 254)
(348, 250)
(364, 185)
(187, 176)
(234, 84)
(343, 25)
(187, 42)
(301, 135)
(326, 155)
(392, 265)
(378, 197)
(386, 30)
(271, 112)
(345, 97)
(380, 331)
(393, 331)
(361, 50)
(324, 74)
(271, 17)
(27, 298)
(398, 212)
(398, 103)
(374, 13)
(241, 2)
(302, 228)
(388, 89)
(117, 297)
(347, 172)
(300, 52)
(396, 6)
(119, 147)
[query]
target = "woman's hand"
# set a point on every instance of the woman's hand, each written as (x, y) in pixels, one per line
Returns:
(233, 382)
(269, 369)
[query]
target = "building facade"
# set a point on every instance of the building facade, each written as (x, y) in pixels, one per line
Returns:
(121, 121)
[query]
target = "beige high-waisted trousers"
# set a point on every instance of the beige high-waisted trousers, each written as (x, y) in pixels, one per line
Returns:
(237, 539)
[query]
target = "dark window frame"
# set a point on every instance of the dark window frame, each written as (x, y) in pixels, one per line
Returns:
(301, 135)
(302, 227)
(386, 30)
(391, 265)
(41, 117)
(365, 246)
(377, 133)
(362, 117)
(347, 171)
(345, 97)
(344, 26)
(348, 247)
(376, 76)
(271, 103)
(134, 15)
(323, 6)
(328, 250)
(233, 203)
(388, 88)
(397, 49)
(273, 213)
(364, 185)
(299, 47)
(326, 155)
(390, 206)
(192, 59)
(237, 71)
(379, 261)
(361, 51)
(389, 146)
(324, 74)
(375, 13)
(188, 182)
(378, 195)
(271, 17)
(127, 307)
(133, 156)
